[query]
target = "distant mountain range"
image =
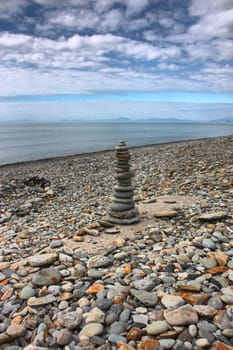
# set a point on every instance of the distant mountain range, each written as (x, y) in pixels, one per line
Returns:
(119, 120)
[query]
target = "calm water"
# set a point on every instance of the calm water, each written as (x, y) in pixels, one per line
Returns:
(31, 141)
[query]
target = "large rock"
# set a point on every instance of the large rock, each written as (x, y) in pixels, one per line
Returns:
(182, 316)
(42, 259)
(46, 277)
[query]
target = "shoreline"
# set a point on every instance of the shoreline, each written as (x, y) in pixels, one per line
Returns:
(97, 153)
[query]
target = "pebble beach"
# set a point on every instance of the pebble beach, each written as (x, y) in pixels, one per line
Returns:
(71, 280)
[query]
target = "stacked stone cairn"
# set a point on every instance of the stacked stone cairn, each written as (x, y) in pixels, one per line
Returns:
(122, 208)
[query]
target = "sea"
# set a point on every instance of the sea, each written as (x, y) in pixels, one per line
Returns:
(27, 141)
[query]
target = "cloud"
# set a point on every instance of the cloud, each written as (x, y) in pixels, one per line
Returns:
(9, 40)
(112, 45)
(12, 8)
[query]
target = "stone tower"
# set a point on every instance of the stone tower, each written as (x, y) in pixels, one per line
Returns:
(122, 208)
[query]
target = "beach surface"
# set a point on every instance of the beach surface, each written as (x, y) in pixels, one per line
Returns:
(69, 282)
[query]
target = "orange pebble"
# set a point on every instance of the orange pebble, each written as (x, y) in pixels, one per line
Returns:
(94, 289)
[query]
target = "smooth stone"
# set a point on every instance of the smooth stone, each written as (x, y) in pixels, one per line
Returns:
(96, 340)
(48, 299)
(143, 284)
(123, 188)
(99, 261)
(103, 303)
(157, 327)
(112, 231)
(121, 194)
(146, 298)
(56, 243)
(70, 320)
(208, 262)
(27, 292)
(110, 318)
(127, 214)
(122, 200)
(207, 243)
(220, 237)
(205, 310)
(125, 315)
(64, 258)
(227, 298)
(165, 214)
(216, 303)
(16, 330)
(124, 221)
(205, 326)
(42, 259)
(192, 330)
(96, 316)
(217, 215)
(166, 343)
(181, 316)
(118, 327)
(193, 286)
(2, 276)
(115, 338)
(140, 319)
(105, 223)
(94, 273)
(116, 206)
(91, 329)
(170, 301)
(46, 277)
(64, 337)
(202, 343)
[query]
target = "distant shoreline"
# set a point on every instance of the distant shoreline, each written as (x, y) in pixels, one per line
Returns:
(97, 153)
(120, 120)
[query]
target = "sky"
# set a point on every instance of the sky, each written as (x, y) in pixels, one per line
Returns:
(104, 59)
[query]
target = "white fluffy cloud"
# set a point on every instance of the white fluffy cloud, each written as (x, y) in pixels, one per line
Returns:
(90, 45)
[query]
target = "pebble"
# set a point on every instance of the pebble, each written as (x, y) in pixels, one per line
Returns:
(91, 329)
(146, 298)
(172, 301)
(48, 299)
(27, 292)
(70, 320)
(43, 259)
(181, 316)
(46, 277)
(64, 337)
(99, 261)
(157, 327)
(167, 343)
(15, 330)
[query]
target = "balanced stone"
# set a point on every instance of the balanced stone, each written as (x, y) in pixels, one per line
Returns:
(122, 208)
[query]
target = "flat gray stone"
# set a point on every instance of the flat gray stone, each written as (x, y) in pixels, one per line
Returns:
(27, 292)
(143, 284)
(46, 277)
(146, 298)
(99, 261)
(217, 215)
(42, 259)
